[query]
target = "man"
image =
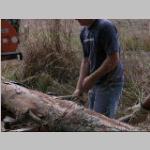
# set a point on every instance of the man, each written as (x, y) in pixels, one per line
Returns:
(101, 72)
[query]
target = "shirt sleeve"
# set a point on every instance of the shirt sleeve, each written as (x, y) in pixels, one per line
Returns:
(111, 39)
(85, 51)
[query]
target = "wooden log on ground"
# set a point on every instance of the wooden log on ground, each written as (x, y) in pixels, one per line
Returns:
(58, 115)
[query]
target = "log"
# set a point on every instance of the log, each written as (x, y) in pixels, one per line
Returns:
(57, 114)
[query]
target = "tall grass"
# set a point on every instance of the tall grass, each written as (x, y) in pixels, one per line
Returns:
(137, 72)
(52, 54)
(136, 53)
(135, 42)
(50, 50)
(137, 79)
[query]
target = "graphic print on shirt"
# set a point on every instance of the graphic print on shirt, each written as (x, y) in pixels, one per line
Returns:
(89, 42)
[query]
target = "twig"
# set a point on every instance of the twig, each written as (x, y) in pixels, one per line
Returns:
(125, 118)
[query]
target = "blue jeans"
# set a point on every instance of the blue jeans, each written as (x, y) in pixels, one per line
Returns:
(105, 98)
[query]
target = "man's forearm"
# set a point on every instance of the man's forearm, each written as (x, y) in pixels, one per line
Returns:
(108, 65)
(84, 71)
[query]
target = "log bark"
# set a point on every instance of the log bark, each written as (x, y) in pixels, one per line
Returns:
(57, 114)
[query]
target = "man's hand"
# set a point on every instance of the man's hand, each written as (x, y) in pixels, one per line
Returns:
(77, 92)
(87, 84)
(108, 65)
(84, 71)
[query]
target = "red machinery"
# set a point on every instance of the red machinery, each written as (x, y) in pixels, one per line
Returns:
(9, 41)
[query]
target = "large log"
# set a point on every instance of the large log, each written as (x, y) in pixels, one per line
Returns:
(57, 114)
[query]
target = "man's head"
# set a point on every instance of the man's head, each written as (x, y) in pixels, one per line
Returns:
(85, 22)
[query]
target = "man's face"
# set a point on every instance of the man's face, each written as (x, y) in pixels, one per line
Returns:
(85, 22)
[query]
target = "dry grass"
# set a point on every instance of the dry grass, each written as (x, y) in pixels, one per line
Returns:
(132, 41)
(136, 46)
(137, 79)
(137, 83)
(9, 69)
(50, 56)
(52, 50)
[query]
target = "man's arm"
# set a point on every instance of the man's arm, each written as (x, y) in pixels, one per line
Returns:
(84, 71)
(108, 65)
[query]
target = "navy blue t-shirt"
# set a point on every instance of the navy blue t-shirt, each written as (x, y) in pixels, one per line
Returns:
(98, 41)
